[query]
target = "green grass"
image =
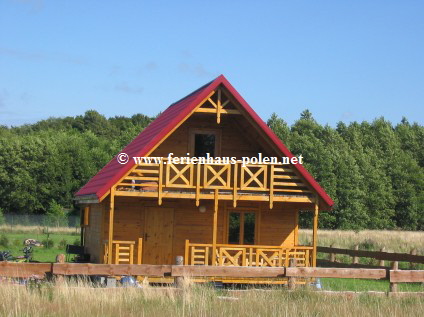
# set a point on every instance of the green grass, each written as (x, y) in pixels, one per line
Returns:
(41, 254)
(362, 285)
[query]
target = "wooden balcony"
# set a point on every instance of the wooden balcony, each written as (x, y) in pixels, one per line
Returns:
(246, 255)
(233, 182)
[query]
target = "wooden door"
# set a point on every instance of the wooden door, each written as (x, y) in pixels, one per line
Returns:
(159, 228)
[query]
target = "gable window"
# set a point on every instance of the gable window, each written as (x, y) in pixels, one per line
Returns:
(204, 142)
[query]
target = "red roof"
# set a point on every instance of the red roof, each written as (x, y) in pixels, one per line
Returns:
(101, 183)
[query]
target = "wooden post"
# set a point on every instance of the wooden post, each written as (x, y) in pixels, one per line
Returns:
(218, 108)
(315, 234)
(332, 256)
(355, 258)
(214, 229)
(393, 286)
(382, 262)
(292, 279)
(111, 217)
(179, 280)
(139, 250)
(186, 250)
(60, 258)
(160, 175)
(412, 265)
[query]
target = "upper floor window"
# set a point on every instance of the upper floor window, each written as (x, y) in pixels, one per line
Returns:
(203, 142)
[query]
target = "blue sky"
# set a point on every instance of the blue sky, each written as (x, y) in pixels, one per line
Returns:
(343, 60)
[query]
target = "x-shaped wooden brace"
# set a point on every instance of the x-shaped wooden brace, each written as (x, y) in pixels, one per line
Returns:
(179, 174)
(268, 259)
(216, 175)
(254, 177)
(230, 258)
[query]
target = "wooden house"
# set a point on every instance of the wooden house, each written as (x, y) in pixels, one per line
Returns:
(222, 211)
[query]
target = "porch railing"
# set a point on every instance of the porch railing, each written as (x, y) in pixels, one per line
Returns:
(246, 255)
(123, 252)
(200, 180)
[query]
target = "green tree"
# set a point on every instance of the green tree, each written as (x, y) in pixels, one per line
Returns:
(56, 215)
(2, 219)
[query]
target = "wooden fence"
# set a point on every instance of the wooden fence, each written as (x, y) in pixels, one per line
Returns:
(381, 255)
(41, 270)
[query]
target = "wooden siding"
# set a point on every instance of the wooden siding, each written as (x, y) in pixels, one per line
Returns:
(93, 233)
(278, 226)
(274, 227)
(234, 141)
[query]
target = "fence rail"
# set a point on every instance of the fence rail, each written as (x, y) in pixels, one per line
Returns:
(40, 270)
(378, 255)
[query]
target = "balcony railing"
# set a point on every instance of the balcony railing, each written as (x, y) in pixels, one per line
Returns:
(246, 255)
(238, 181)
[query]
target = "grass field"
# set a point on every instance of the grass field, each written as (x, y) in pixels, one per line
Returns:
(11, 239)
(392, 240)
(359, 285)
(78, 300)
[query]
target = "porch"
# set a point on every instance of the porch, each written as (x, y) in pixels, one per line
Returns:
(130, 252)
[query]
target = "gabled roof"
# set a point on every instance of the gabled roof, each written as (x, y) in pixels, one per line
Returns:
(165, 123)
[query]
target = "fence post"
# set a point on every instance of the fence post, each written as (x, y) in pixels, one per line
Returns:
(382, 262)
(411, 264)
(179, 280)
(332, 256)
(292, 280)
(393, 286)
(355, 258)
(60, 258)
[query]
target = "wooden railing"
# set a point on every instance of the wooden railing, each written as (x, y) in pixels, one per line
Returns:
(246, 255)
(201, 180)
(122, 252)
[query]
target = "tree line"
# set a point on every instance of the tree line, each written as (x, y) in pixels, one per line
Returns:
(372, 170)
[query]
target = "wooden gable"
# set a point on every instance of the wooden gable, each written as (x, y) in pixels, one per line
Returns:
(216, 106)
(222, 114)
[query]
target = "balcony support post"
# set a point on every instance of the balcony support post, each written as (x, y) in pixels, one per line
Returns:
(315, 233)
(214, 229)
(111, 218)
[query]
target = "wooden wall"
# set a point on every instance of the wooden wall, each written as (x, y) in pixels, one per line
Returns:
(93, 233)
(279, 226)
(276, 227)
(235, 140)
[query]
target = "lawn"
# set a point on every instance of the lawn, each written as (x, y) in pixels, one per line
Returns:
(54, 241)
(362, 285)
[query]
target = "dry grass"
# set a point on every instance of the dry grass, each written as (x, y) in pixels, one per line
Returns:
(37, 229)
(80, 300)
(393, 241)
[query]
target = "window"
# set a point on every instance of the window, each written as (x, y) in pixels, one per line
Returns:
(203, 142)
(241, 227)
(86, 216)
